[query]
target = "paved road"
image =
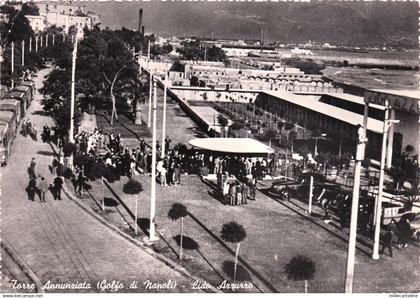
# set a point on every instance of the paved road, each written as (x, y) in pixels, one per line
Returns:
(58, 240)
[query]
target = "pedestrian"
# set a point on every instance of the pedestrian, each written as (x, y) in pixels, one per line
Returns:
(388, 241)
(31, 169)
(404, 232)
(43, 189)
(54, 166)
(80, 182)
(58, 185)
(32, 189)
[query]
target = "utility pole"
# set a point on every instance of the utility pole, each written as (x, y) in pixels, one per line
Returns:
(378, 202)
(164, 114)
(23, 52)
(13, 64)
(148, 50)
(152, 236)
(360, 154)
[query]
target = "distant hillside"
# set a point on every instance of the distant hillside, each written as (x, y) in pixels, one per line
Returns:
(345, 23)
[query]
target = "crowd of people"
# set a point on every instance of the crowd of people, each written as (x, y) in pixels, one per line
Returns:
(39, 185)
(29, 129)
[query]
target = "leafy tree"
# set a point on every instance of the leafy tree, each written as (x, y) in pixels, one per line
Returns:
(269, 135)
(223, 122)
(106, 66)
(300, 268)
(178, 211)
(193, 50)
(157, 50)
(235, 233)
(17, 28)
(133, 187)
(30, 8)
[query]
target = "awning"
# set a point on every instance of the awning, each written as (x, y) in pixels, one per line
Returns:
(232, 145)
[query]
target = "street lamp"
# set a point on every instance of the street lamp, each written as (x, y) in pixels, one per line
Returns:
(79, 35)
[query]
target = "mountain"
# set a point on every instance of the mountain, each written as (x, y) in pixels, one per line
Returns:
(342, 23)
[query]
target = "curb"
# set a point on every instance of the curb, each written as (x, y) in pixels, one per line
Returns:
(138, 243)
(23, 266)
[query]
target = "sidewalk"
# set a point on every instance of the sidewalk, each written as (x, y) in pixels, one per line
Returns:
(60, 241)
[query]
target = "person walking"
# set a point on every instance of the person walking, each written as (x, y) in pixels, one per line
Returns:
(43, 189)
(58, 185)
(388, 240)
(31, 169)
(32, 189)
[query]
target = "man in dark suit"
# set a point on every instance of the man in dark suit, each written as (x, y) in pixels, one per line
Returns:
(58, 185)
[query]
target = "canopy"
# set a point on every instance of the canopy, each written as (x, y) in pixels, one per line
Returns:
(232, 145)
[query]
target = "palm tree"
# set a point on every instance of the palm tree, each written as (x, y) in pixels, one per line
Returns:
(235, 233)
(178, 211)
(300, 268)
(133, 187)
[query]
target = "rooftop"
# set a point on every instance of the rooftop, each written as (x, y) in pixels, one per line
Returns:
(312, 103)
(413, 94)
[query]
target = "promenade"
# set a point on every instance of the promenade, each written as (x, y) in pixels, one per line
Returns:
(58, 240)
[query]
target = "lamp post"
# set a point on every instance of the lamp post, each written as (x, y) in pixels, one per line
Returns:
(73, 77)
(23, 52)
(360, 154)
(152, 236)
(13, 63)
(149, 114)
(164, 115)
(378, 202)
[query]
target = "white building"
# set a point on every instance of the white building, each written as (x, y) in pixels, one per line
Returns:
(37, 23)
(63, 14)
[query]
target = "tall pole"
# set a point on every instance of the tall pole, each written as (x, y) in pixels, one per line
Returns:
(73, 75)
(311, 187)
(164, 115)
(13, 63)
(360, 152)
(152, 236)
(30, 44)
(149, 115)
(23, 52)
(148, 50)
(378, 202)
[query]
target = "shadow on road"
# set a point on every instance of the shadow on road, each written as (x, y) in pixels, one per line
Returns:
(312, 220)
(245, 263)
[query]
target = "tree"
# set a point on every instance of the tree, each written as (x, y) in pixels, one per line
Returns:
(178, 211)
(223, 122)
(300, 268)
(270, 134)
(17, 28)
(106, 66)
(235, 233)
(194, 50)
(133, 187)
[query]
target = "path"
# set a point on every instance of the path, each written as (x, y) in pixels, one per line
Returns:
(58, 240)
